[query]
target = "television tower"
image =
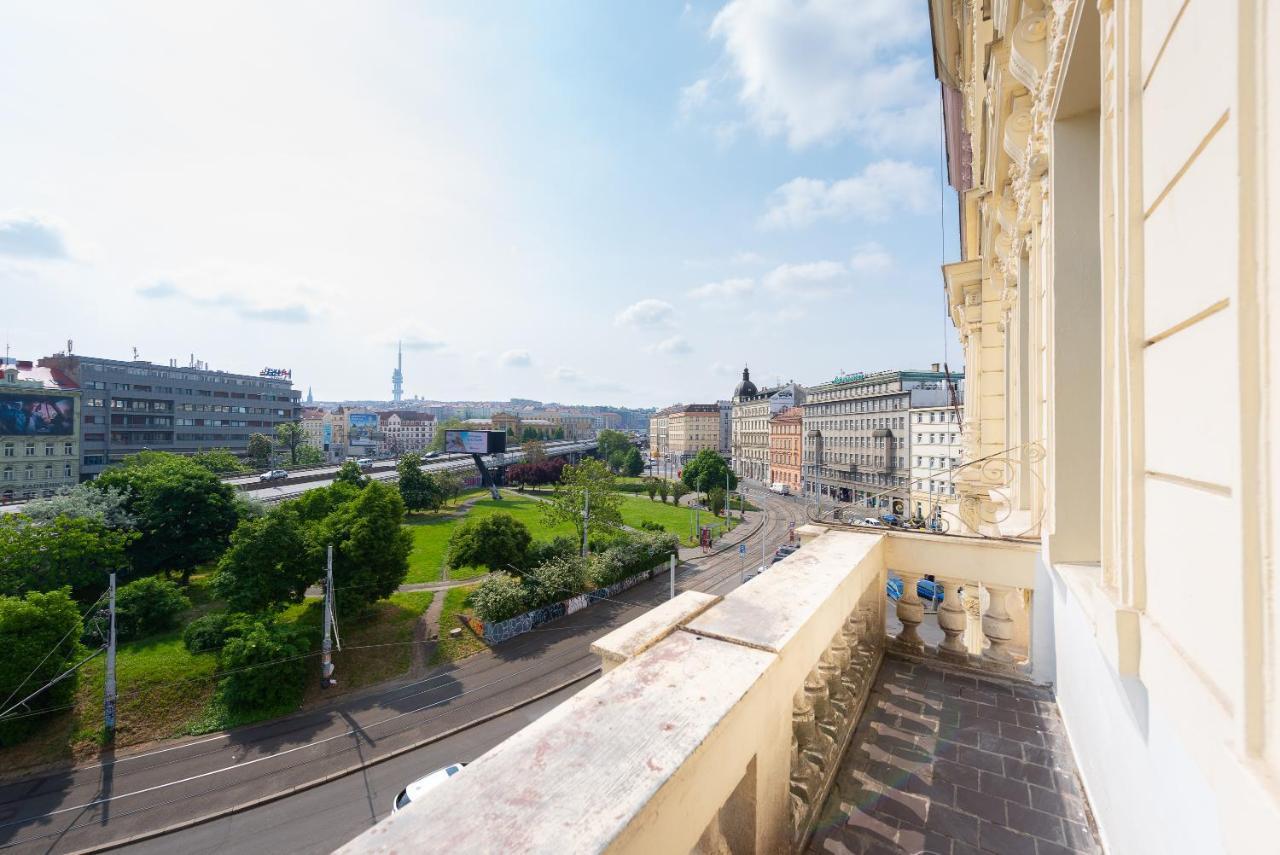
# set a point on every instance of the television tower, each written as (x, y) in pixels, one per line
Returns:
(397, 376)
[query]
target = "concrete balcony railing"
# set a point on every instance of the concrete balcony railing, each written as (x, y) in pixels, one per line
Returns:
(718, 724)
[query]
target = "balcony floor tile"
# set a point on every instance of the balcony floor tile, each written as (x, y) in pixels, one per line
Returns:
(950, 773)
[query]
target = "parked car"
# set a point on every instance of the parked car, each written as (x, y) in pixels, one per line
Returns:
(926, 589)
(273, 475)
(781, 489)
(424, 785)
(365, 462)
(870, 521)
(782, 552)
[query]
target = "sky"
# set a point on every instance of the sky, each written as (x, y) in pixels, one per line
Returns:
(584, 202)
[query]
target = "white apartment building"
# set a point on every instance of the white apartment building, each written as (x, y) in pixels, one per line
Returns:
(406, 430)
(936, 450)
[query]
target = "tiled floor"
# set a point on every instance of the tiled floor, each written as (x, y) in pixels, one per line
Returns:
(948, 764)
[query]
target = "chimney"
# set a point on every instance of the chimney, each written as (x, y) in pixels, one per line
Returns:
(936, 367)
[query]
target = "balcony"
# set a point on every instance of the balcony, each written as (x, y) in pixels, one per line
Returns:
(802, 711)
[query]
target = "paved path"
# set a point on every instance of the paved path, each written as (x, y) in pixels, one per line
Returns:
(948, 763)
(95, 805)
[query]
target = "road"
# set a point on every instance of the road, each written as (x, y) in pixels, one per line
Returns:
(102, 804)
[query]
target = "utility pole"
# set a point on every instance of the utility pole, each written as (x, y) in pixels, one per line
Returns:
(673, 575)
(109, 685)
(586, 519)
(326, 643)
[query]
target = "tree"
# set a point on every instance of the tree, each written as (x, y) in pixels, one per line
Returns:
(418, 490)
(529, 433)
(559, 434)
(72, 552)
(370, 547)
(147, 606)
(260, 450)
(497, 541)
(185, 514)
(267, 665)
(349, 473)
(39, 634)
(664, 489)
(678, 492)
(291, 435)
(534, 450)
(611, 442)
(566, 504)
(309, 455)
(271, 562)
(449, 485)
(617, 462)
(708, 470)
(500, 597)
(219, 461)
(632, 463)
(83, 501)
(715, 500)
(651, 487)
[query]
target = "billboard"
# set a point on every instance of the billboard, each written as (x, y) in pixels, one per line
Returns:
(37, 415)
(361, 428)
(475, 441)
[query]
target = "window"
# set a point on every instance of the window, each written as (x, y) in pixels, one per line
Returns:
(48, 449)
(8, 449)
(8, 473)
(31, 449)
(66, 470)
(29, 473)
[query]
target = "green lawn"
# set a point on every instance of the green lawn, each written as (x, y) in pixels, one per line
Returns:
(430, 543)
(677, 520)
(453, 649)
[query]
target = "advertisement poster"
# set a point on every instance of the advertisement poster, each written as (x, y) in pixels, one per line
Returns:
(36, 415)
(466, 442)
(361, 428)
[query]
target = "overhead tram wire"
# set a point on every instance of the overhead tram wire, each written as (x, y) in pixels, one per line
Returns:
(45, 658)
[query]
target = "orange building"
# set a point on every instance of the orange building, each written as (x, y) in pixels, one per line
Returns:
(786, 443)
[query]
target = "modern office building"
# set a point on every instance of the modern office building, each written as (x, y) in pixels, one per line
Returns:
(857, 439)
(40, 430)
(129, 406)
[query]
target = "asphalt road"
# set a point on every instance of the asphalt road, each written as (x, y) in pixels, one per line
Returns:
(102, 804)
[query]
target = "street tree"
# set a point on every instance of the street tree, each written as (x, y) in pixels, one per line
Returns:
(716, 500)
(290, 435)
(83, 501)
(418, 490)
(219, 461)
(592, 479)
(651, 487)
(309, 455)
(497, 541)
(32, 631)
(260, 450)
(632, 463)
(708, 470)
(664, 489)
(611, 442)
(185, 514)
(534, 450)
(678, 492)
(349, 473)
(271, 562)
(72, 552)
(370, 547)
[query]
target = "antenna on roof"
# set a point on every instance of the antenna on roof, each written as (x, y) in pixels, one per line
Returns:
(135, 354)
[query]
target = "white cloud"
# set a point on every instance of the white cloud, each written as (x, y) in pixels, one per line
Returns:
(515, 358)
(825, 69)
(30, 237)
(727, 289)
(673, 346)
(201, 289)
(870, 258)
(566, 375)
(420, 342)
(812, 279)
(694, 96)
(882, 188)
(646, 313)
(747, 257)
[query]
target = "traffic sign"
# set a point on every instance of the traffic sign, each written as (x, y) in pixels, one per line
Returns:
(742, 549)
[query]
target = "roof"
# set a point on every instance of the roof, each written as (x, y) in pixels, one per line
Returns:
(790, 413)
(695, 408)
(746, 388)
(48, 378)
(407, 415)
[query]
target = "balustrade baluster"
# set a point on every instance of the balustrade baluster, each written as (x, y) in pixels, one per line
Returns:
(997, 626)
(911, 614)
(951, 620)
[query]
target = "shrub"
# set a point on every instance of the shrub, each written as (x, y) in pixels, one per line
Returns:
(635, 555)
(213, 631)
(497, 542)
(268, 665)
(556, 580)
(147, 606)
(31, 628)
(650, 525)
(499, 597)
(542, 551)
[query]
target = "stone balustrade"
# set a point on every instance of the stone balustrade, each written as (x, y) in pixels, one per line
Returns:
(718, 724)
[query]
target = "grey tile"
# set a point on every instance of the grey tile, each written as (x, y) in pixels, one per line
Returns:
(1039, 824)
(1000, 745)
(982, 805)
(954, 824)
(965, 776)
(1029, 772)
(978, 759)
(1005, 788)
(1060, 804)
(1002, 841)
(1021, 734)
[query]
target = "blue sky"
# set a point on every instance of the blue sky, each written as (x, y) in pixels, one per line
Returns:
(585, 202)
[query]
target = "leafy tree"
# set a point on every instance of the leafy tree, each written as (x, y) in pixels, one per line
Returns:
(268, 665)
(349, 473)
(534, 450)
(556, 580)
(678, 492)
(290, 435)
(496, 541)
(529, 434)
(715, 500)
(83, 501)
(632, 463)
(214, 630)
(418, 490)
(651, 487)
(260, 450)
(500, 597)
(449, 484)
(308, 455)
(437, 441)
(370, 547)
(617, 462)
(31, 627)
(185, 514)
(566, 504)
(219, 461)
(708, 470)
(611, 442)
(271, 562)
(559, 434)
(73, 552)
(147, 606)
(664, 489)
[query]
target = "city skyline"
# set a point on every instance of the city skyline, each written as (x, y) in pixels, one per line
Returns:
(657, 180)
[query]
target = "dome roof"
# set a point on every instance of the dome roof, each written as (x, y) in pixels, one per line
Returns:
(746, 388)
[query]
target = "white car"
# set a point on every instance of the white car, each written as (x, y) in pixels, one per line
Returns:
(870, 521)
(424, 785)
(273, 475)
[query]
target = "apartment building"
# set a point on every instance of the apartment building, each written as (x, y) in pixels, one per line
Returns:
(131, 405)
(691, 428)
(406, 430)
(726, 428)
(40, 429)
(936, 451)
(659, 439)
(786, 445)
(857, 439)
(752, 408)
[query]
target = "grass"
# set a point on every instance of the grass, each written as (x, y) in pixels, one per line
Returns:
(676, 520)
(466, 644)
